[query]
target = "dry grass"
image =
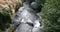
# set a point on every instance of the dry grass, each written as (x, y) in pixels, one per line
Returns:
(9, 4)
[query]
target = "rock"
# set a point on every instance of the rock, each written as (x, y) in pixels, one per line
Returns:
(23, 28)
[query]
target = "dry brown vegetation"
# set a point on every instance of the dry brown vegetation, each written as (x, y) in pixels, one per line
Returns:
(9, 4)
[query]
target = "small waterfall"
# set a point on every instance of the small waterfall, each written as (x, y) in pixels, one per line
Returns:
(26, 19)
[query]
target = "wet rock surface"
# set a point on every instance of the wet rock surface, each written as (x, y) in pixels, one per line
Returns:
(26, 17)
(23, 28)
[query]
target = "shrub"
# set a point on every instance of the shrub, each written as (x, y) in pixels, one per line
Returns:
(51, 16)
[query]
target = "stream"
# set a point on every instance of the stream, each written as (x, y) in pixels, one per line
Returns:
(26, 19)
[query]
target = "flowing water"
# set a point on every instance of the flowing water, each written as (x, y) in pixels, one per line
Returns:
(28, 20)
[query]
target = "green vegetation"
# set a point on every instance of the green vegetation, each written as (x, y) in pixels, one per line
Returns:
(40, 4)
(5, 19)
(51, 16)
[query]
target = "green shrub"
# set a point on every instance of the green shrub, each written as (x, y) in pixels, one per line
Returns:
(51, 16)
(40, 4)
(5, 18)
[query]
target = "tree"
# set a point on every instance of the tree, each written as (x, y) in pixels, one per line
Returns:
(51, 16)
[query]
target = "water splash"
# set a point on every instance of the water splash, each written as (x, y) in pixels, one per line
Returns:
(25, 17)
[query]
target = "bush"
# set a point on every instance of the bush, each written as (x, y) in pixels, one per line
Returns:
(51, 16)
(5, 18)
(40, 4)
